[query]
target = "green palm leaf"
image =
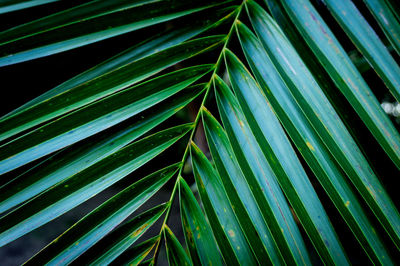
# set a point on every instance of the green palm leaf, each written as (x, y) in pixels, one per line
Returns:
(83, 185)
(13, 5)
(229, 236)
(387, 20)
(327, 123)
(115, 244)
(176, 253)
(261, 178)
(346, 77)
(81, 156)
(200, 22)
(368, 43)
(201, 243)
(238, 189)
(255, 105)
(109, 83)
(94, 118)
(309, 144)
(282, 159)
(84, 24)
(103, 219)
(136, 254)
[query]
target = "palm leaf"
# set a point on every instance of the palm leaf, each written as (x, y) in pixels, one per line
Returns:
(135, 255)
(200, 22)
(346, 77)
(383, 14)
(103, 219)
(327, 123)
(118, 242)
(13, 5)
(282, 159)
(263, 91)
(229, 236)
(176, 253)
(80, 187)
(84, 25)
(94, 118)
(78, 157)
(88, 92)
(238, 189)
(309, 144)
(201, 243)
(368, 42)
(260, 176)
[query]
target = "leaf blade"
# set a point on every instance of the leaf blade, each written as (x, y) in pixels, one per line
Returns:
(105, 85)
(95, 118)
(325, 121)
(19, 47)
(200, 22)
(94, 226)
(175, 252)
(82, 155)
(310, 146)
(345, 75)
(238, 191)
(14, 5)
(276, 147)
(80, 187)
(199, 238)
(386, 19)
(261, 177)
(368, 42)
(227, 230)
(136, 254)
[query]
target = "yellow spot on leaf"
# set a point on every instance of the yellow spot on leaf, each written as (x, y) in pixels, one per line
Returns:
(371, 192)
(241, 123)
(189, 234)
(198, 236)
(238, 248)
(347, 203)
(311, 147)
(202, 184)
(137, 232)
(231, 233)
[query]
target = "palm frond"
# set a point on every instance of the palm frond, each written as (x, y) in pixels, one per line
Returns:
(265, 85)
(14, 5)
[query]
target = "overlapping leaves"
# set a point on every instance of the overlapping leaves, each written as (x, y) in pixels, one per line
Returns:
(255, 194)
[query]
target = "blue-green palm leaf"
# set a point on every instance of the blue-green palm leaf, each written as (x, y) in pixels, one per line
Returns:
(238, 111)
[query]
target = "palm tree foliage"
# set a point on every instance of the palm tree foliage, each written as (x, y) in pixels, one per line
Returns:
(275, 114)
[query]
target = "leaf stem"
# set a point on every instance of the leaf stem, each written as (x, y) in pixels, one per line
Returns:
(192, 133)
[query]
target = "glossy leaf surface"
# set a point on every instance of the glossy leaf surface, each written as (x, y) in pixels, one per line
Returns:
(84, 185)
(95, 225)
(325, 121)
(198, 234)
(230, 238)
(102, 86)
(85, 25)
(310, 145)
(82, 155)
